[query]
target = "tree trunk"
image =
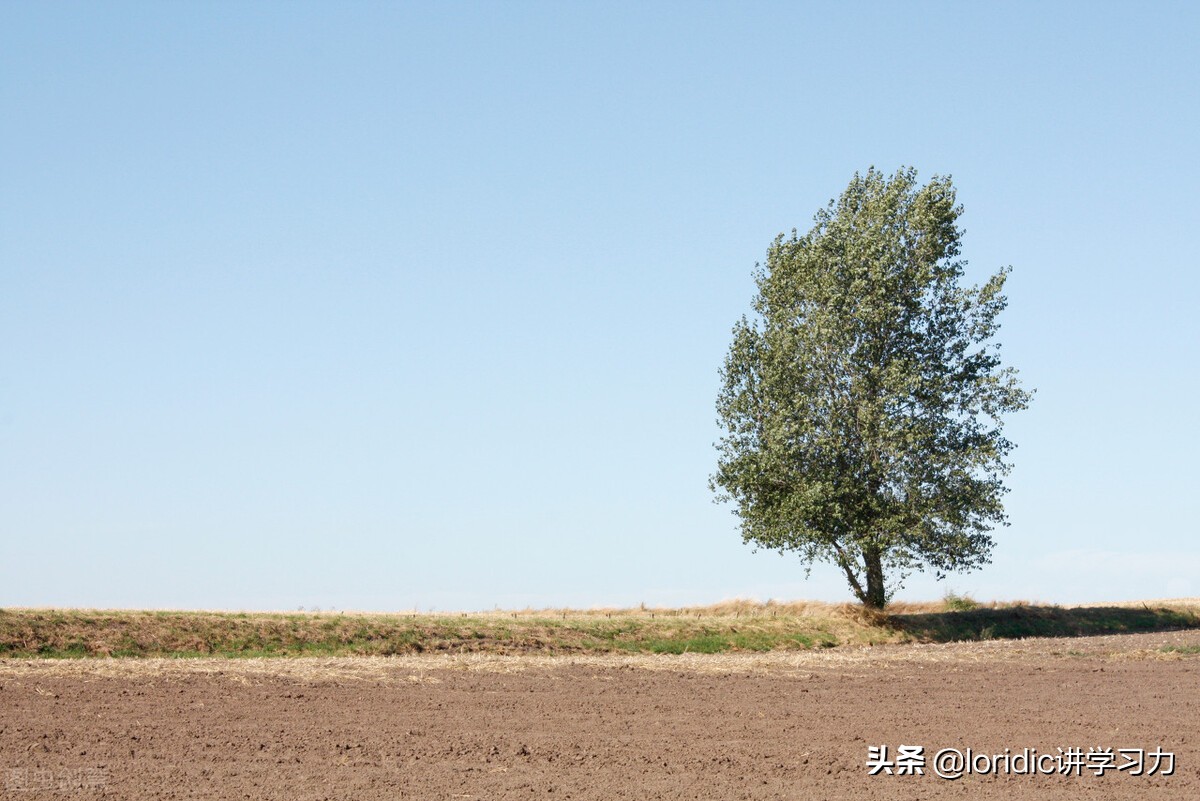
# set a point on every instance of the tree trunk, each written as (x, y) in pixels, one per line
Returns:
(876, 596)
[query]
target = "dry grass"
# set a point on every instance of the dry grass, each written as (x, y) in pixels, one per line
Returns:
(731, 626)
(424, 669)
(737, 625)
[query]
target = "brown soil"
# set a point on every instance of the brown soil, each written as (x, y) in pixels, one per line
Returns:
(774, 726)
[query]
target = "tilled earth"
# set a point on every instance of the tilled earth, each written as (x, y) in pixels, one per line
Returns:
(774, 726)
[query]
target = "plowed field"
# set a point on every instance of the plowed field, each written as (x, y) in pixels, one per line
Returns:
(770, 726)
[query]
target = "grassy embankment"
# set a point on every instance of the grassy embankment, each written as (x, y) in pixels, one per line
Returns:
(734, 626)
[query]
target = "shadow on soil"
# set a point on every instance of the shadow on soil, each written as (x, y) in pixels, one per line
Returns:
(1040, 621)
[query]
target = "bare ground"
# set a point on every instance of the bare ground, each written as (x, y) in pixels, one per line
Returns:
(793, 725)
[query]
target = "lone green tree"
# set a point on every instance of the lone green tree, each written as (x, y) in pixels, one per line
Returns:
(862, 403)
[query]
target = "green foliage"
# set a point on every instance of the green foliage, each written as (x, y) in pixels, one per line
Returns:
(958, 603)
(862, 406)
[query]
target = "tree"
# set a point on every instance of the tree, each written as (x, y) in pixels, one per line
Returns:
(862, 406)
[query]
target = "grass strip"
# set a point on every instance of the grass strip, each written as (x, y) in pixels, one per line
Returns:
(733, 627)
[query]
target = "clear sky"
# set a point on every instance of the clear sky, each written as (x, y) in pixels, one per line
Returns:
(383, 306)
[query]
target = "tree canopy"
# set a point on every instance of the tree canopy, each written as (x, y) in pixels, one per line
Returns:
(862, 402)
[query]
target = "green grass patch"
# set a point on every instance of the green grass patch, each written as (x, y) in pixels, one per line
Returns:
(959, 603)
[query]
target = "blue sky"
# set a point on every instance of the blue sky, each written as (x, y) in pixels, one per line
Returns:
(382, 306)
